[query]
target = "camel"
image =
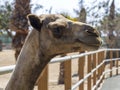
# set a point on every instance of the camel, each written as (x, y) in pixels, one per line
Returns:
(52, 35)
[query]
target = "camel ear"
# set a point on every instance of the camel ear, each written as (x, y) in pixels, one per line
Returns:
(34, 21)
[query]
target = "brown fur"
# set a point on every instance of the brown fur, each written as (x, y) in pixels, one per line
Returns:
(52, 35)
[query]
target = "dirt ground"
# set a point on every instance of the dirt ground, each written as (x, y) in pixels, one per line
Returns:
(7, 58)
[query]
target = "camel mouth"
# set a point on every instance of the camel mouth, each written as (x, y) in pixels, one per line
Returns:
(97, 44)
(75, 49)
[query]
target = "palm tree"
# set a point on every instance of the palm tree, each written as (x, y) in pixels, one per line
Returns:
(18, 23)
(111, 27)
(82, 13)
(5, 13)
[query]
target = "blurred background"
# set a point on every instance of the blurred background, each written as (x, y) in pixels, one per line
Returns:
(102, 14)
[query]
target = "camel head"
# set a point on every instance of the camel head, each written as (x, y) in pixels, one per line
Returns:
(52, 35)
(59, 35)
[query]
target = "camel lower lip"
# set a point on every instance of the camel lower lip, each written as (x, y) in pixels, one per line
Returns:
(94, 45)
(75, 49)
(88, 44)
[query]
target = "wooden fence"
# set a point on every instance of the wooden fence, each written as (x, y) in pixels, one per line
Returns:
(97, 67)
(95, 63)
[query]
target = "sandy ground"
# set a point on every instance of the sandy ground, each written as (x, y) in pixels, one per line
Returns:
(7, 58)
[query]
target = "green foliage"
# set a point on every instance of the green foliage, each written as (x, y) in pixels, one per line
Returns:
(5, 13)
(104, 22)
(68, 16)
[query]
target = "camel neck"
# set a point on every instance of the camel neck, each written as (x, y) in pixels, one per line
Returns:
(30, 64)
(26, 74)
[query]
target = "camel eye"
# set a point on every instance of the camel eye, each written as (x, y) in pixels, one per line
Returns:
(57, 32)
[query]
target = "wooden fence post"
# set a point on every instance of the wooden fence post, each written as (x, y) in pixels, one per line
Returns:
(99, 69)
(61, 71)
(67, 74)
(43, 81)
(81, 64)
(111, 62)
(89, 70)
(103, 66)
(94, 66)
(117, 54)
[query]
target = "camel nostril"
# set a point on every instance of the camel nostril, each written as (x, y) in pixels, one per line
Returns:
(91, 32)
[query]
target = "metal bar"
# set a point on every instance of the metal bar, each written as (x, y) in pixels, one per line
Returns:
(6, 69)
(114, 59)
(82, 80)
(56, 60)
(85, 78)
(97, 83)
(94, 87)
(111, 49)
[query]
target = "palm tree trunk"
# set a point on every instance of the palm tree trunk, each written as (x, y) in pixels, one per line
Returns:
(111, 27)
(18, 23)
(82, 15)
(61, 74)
